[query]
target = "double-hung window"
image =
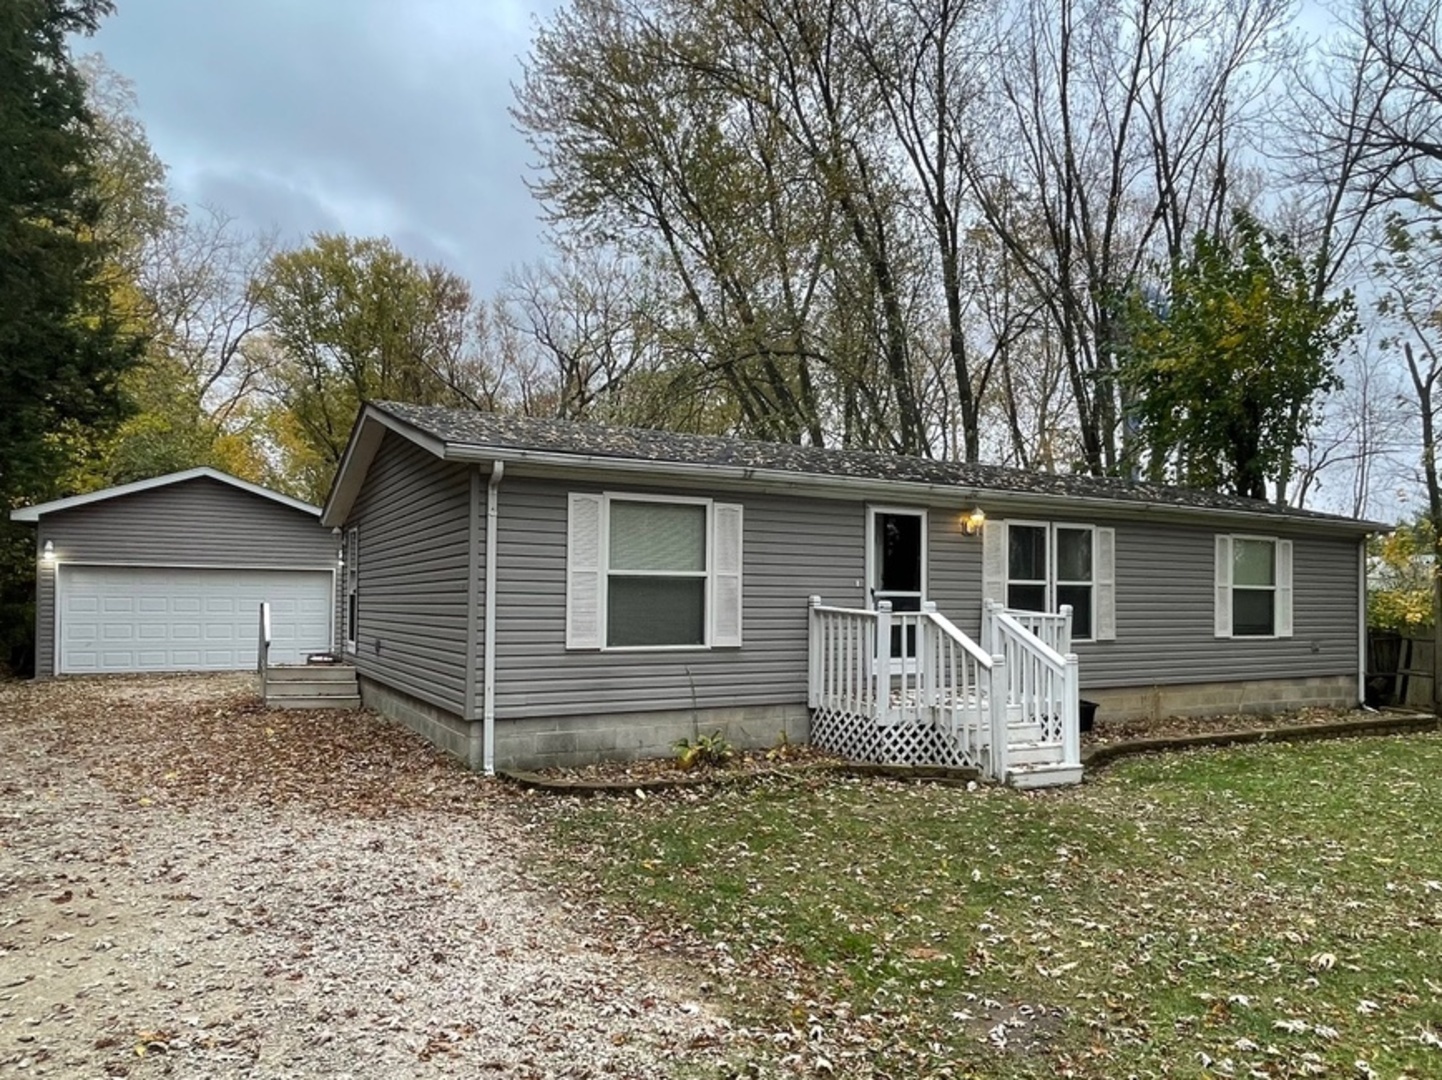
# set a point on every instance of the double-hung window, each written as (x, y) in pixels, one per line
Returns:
(656, 574)
(1254, 587)
(647, 572)
(1041, 566)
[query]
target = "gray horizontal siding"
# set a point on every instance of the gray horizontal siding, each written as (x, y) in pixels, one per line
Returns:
(793, 548)
(413, 517)
(200, 522)
(1164, 606)
(1165, 598)
(954, 570)
(44, 612)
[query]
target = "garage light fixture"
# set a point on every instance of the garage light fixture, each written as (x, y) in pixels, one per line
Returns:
(48, 553)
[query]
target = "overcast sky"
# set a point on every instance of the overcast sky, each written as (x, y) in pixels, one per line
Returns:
(364, 116)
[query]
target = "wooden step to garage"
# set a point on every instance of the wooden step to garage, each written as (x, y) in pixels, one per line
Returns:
(312, 686)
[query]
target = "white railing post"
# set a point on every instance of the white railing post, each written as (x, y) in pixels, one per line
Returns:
(882, 670)
(1071, 712)
(262, 652)
(813, 644)
(1063, 645)
(928, 681)
(999, 736)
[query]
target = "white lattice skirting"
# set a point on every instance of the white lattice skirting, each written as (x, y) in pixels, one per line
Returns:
(861, 738)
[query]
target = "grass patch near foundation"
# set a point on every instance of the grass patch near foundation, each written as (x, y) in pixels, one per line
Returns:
(1274, 911)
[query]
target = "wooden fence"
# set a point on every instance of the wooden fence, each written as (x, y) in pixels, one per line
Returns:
(1399, 669)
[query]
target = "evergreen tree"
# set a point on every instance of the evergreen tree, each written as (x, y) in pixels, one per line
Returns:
(63, 346)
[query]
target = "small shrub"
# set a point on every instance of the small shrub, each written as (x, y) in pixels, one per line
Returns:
(784, 750)
(707, 750)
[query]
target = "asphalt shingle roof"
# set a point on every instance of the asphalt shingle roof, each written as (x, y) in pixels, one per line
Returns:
(464, 427)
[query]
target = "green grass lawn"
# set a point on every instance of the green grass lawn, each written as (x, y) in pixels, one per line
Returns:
(1267, 912)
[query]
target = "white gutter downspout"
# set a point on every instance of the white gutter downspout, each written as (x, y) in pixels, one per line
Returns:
(488, 664)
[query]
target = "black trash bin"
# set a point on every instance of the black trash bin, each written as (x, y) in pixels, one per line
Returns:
(1088, 714)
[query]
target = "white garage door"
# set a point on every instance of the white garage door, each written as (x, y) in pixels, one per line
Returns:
(163, 619)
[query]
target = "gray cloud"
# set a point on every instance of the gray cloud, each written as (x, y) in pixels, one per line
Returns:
(368, 116)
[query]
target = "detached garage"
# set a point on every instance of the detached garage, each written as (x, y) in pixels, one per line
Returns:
(169, 574)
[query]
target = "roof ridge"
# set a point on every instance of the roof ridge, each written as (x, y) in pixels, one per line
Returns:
(458, 426)
(135, 487)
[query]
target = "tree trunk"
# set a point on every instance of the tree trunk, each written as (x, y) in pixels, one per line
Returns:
(1424, 384)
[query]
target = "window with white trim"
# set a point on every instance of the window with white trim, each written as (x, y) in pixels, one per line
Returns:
(1254, 587)
(1048, 566)
(656, 574)
(648, 572)
(1041, 566)
(352, 586)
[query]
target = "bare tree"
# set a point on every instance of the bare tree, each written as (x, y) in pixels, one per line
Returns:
(581, 315)
(1396, 61)
(742, 149)
(1365, 435)
(1114, 126)
(1410, 275)
(197, 282)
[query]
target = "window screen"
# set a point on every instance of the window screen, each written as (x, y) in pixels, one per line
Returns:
(1254, 592)
(656, 583)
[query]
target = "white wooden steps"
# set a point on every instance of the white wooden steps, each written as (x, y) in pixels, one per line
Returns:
(1043, 774)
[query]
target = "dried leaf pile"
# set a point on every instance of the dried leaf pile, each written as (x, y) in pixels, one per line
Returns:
(1274, 911)
(191, 886)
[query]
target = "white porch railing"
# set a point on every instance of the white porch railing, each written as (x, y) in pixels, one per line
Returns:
(1042, 680)
(1053, 630)
(939, 698)
(931, 705)
(262, 655)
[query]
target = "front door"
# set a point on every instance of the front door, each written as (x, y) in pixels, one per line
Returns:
(898, 569)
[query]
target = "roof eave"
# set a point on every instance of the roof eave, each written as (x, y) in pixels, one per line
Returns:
(365, 439)
(819, 482)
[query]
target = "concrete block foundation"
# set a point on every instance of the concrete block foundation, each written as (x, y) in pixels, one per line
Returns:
(566, 741)
(1254, 696)
(438, 726)
(569, 741)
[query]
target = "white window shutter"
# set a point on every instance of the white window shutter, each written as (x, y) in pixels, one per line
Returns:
(584, 579)
(1222, 615)
(993, 561)
(1284, 588)
(1105, 574)
(726, 561)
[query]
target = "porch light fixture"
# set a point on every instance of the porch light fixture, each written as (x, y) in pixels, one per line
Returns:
(971, 524)
(340, 557)
(48, 552)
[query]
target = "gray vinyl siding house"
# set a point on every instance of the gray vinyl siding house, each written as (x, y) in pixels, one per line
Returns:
(565, 671)
(415, 576)
(167, 574)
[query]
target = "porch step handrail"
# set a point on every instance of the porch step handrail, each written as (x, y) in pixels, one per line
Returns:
(966, 690)
(262, 654)
(947, 680)
(1053, 629)
(1042, 682)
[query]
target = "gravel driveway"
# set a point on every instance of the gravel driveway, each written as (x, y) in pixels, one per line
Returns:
(192, 886)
